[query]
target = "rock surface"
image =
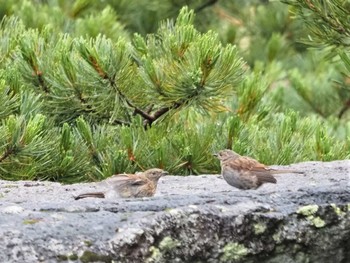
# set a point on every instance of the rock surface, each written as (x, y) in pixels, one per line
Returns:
(303, 218)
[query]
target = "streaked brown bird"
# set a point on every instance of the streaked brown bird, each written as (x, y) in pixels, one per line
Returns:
(142, 184)
(244, 172)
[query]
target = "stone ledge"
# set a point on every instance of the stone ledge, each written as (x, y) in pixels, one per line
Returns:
(304, 218)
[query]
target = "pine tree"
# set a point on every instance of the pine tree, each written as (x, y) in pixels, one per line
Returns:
(91, 89)
(95, 88)
(329, 29)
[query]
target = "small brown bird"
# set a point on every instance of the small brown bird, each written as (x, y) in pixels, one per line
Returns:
(131, 185)
(244, 172)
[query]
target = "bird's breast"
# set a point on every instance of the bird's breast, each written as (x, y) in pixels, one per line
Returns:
(240, 179)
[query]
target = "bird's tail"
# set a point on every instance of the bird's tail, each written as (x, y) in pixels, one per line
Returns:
(95, 195)
(280, 171)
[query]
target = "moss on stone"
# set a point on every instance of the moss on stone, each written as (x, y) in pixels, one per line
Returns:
(88, 243)
(71, 257)
(317, 221)
(155, 256)
(165, 245)
(307, 210)
(234, 251)
(277, 237)
(61, 258)
(89, 256)
(168, 243)
(31, 221)
(259, 228)
(338, 211)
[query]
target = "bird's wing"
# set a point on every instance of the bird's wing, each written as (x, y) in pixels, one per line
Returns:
(117, 178)
(138, 179)
(247, 163)
(131, 179)
(261, 171)
(265, 177)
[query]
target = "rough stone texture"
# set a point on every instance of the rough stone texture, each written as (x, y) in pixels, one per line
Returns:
(304, 218)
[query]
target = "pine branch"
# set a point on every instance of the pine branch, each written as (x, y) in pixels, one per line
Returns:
(160, 113)
(328, 18)
(314, 107)
(41, 81)
(137, 110)
(30, 57)
(205, 5)
(164, 110)
(6, 154)
(148, 118)
(111, 80)
(344, 109)
(116, 122)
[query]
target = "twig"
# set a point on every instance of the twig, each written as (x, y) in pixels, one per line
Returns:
(205, 5)
(344, 109)
(6, 154)
(148, 118)
(42, 83)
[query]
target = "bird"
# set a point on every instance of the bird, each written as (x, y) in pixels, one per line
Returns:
(143, 184)
(244, 172)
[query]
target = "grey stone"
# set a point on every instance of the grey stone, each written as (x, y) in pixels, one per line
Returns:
(303, 218)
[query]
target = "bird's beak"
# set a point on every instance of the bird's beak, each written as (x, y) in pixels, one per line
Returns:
(215, 154)
(165, 173)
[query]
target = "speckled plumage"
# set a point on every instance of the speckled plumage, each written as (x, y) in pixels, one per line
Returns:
(244, 172)
(131, 185)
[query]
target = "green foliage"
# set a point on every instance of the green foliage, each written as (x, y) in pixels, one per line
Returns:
(107, 22)
(93, 88)
(184, 67)
(9, 101)
(327, 21)
(25, 148)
